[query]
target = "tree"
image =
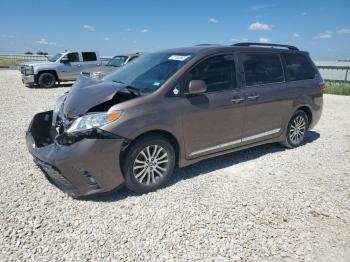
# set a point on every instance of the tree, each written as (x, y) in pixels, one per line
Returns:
(41, 53)
(28, 53)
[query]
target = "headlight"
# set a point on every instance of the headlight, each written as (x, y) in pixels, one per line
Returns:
(92, 121)
(29, 70)
(57, 108)
(96, 75)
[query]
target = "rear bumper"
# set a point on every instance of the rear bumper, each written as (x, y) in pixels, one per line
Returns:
(30, 79)
(86, 167)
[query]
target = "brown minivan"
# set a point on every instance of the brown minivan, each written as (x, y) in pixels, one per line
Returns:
(174, 108)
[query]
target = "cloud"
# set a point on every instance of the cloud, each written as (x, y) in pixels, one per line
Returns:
(144, 30)
(128, 29)
(43, 41)
(295, 35)
(89, 28)
(213, 20)
(260, 26)
(343, 31)
(324, 35)
(303, 13)
(107, 38)
(263, 40)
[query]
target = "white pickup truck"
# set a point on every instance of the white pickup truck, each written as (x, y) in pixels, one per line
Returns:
(59, 68)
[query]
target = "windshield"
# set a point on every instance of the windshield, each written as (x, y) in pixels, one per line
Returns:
(117, 61)
(54, 57)
(150, 71)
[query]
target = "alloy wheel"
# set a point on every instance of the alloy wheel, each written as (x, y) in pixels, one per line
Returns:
(151, 164)
(297, 130)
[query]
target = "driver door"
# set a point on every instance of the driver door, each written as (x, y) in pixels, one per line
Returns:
(71, 69)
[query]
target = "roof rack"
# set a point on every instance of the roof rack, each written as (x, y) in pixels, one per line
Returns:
(290, 47)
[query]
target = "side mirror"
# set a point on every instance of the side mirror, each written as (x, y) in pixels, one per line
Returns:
(64, 60)
(197, 87)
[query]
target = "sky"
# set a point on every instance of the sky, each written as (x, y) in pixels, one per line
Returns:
(116, 27)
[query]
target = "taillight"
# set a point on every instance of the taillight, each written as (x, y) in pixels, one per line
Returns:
(322, 86)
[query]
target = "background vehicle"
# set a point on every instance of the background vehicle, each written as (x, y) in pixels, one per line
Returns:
(174, 108)
(114, 63)
(60, 68)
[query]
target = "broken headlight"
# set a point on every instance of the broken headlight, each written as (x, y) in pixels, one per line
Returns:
(92, 121)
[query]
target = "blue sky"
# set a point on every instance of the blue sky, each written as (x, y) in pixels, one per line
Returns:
(113, 27)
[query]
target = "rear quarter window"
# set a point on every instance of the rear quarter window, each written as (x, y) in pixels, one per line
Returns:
(260, 68)
(89, 56)
(298, 67)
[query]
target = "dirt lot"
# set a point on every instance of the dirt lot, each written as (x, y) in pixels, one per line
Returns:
(260, 204)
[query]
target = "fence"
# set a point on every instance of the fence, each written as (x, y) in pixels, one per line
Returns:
(337, 71)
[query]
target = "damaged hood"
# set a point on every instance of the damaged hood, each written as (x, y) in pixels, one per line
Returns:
(86, 93)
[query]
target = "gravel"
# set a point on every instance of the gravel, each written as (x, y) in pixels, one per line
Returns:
(265, 203)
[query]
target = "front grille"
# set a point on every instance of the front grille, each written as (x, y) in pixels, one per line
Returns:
(22, 69)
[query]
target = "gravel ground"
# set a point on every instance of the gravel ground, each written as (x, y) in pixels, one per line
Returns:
(261, 204)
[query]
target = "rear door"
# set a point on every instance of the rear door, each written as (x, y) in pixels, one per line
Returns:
(90, 62)
(213, 121)
(267, 102)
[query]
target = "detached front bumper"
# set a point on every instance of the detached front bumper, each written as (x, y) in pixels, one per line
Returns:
(28, 79)
(83, 168)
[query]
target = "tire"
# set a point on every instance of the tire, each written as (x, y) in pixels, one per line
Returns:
(148, 164)
(296, 130)
(47, 80)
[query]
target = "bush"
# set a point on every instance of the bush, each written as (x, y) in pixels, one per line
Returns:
(337, 88)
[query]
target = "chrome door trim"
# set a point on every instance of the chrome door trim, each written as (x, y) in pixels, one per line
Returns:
(212, 148)
(267, 133)
(234, 142)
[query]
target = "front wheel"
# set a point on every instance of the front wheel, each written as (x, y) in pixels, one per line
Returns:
(47, 80)
(148, 164)
(296, 130)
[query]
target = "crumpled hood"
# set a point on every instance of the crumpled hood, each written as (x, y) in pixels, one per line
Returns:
(86, 93)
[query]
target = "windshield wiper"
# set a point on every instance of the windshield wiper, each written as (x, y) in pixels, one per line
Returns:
(135, 91)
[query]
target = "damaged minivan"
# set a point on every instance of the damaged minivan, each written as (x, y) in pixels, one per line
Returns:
(173, 108)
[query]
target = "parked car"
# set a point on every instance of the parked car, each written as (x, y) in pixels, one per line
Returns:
(114, 63)
(174, 108)
(59, 68)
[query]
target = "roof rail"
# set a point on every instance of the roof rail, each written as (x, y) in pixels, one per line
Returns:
(206, 44)
(290, 47)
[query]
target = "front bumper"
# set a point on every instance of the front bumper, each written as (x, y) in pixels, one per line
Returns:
(28, 79)
(83, 168)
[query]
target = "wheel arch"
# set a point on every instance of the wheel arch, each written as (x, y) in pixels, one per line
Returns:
(157, 132)
(308, 113)
(47, 71)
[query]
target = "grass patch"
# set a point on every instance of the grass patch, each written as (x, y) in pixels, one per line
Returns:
(337, 88)
(11, 62)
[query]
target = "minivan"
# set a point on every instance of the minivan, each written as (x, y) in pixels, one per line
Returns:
(171, 109)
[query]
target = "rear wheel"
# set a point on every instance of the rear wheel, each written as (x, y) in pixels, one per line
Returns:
(47, 80)
(148, 164)
(296, 130)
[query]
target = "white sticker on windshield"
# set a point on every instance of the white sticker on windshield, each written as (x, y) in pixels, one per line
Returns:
(156, 83)
(178, 57)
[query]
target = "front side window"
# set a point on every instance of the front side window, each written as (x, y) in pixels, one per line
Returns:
(150, 71)
(89, 56)
(261, 68)
(72, 57)
(217, 72)
(298, 67)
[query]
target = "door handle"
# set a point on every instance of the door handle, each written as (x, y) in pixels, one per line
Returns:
(237, 100)
(254, 97)
(78, 65)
